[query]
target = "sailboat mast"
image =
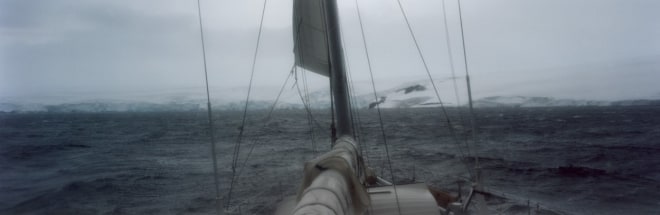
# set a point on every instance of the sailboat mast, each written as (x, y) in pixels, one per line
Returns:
(338, 83)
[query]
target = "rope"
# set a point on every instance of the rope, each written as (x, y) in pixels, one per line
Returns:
(380, 117)
(307, 106)
(437, 94)
(451, 64)
(308, 112)
(453, 73)
(467, 79)
(449, 52)
(237, 147)
(210, 113)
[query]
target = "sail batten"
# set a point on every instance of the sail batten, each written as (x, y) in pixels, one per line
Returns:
(310, 37)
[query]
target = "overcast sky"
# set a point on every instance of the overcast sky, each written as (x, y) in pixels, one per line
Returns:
(587, 49)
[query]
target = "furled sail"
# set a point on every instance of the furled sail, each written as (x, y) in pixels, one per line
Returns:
(309, 35)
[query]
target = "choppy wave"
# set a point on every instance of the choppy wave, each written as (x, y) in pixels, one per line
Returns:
(155, 163)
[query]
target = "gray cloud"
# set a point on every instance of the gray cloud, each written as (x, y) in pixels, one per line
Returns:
(586, 49)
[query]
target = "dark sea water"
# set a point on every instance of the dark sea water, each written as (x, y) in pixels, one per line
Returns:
(577, 160)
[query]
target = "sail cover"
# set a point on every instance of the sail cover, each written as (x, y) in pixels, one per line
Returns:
(309, 35)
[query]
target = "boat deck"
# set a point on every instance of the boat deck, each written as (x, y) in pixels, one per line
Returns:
(413, 199)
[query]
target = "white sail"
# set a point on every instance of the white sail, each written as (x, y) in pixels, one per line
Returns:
(309, 35)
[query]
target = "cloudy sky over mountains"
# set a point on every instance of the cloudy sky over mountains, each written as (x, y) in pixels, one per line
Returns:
(593, 49)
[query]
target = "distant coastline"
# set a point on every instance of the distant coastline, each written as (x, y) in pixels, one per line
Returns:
(415, 102)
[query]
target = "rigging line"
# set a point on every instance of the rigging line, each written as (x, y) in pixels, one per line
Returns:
(309, 113)
(467, 79)
(307, 109)
(237, 147)
(380, 116)
(435, 89)
(453, 73)
(451, 59)
(210, 113)
(310, 116)
(307, 106)
(256, 140)
(306, 88)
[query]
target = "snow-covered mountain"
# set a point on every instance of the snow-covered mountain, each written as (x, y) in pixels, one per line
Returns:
(409, 95)
(522, 101)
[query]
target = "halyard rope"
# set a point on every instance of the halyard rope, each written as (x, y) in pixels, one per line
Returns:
(210, 114)
(467, 79)
(237, 147)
